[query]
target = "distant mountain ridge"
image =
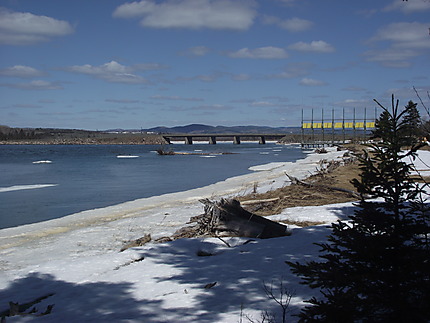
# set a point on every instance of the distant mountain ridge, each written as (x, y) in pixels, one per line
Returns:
(206, 129)
(192, 129)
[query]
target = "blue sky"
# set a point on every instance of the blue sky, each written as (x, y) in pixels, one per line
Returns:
(102, 64)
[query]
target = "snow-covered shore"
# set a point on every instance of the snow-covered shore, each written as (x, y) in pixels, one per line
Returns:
(77, 259)
(158, 215)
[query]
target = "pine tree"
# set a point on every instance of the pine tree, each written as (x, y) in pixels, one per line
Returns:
(413, 121)
(376, 266)
(381, 125)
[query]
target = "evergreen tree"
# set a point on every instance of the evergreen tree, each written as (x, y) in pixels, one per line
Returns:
(413, 121)
(381, 125)
(376, 266)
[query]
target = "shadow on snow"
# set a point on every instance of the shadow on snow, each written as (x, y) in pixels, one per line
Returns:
(239, 272)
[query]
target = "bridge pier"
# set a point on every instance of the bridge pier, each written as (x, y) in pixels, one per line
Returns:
(188, 140)
(262, 140)
(236, 140)
(212, 140)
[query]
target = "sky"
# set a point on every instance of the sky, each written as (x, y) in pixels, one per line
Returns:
(105, 64)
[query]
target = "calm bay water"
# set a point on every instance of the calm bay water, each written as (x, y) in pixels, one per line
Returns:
(91, 176)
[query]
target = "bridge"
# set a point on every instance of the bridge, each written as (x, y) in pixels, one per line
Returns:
(212, 138)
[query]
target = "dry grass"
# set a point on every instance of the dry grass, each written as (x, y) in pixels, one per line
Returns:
(299, 195)
(319, 194)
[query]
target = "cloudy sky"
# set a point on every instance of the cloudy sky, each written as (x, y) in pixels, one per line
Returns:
(101, 64)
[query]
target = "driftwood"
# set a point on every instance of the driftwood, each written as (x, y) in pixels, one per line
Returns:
(295, 180)
(251, 202)
(227, 218)
(223, 218)
(26, 309)
(137, 243)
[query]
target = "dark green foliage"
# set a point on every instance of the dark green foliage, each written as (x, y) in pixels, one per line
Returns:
(7, 133)
(412, 122)
(376, 267)
(408, 123)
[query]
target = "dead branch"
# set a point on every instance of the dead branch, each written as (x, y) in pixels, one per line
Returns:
(251, 202)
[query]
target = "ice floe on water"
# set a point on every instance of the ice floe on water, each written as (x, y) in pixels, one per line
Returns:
(42, 162)
(24, 187)
(127, 156)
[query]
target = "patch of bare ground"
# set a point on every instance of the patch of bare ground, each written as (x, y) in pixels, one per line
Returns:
(333, 185)
(321, 192)
(326, 188)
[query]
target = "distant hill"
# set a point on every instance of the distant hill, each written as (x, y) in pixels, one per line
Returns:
(9, 133)
(205, 129)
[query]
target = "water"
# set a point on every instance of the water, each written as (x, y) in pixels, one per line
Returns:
(69, 179)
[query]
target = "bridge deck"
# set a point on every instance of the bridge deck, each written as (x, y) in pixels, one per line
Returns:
(212, 138)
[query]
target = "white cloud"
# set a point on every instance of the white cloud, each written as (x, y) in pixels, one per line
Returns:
(405, 34)
(134, 9)
(21, 71)
(392, 57)
(296, 24)
(35, 85)
(292, 25)
(311, 82)
(260, 53)
(400, 42)
(319, 46)
(191, 14)
(409, 6)
(241, 77)
(24, 28)
(110, 72)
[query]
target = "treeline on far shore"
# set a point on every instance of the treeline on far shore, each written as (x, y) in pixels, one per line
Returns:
(52, 136)
(9, 135)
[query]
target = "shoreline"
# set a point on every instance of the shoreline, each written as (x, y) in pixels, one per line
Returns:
(158, 215)
(84, 268)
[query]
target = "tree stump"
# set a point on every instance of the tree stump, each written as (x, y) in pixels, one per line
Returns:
(227, 218)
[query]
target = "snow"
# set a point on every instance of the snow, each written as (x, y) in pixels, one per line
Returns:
(77, 259)
(127, 156)
(42, 162)
(421, 163)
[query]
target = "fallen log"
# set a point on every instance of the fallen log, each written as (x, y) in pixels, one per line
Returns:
(227, 217)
